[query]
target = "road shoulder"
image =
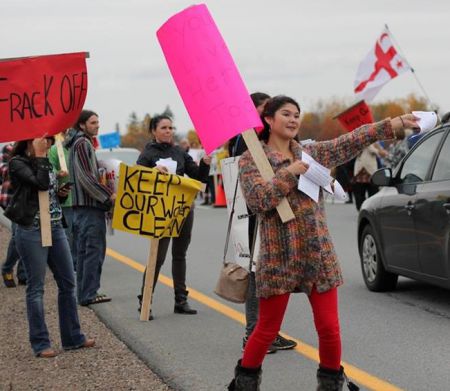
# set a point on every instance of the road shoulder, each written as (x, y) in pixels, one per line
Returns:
(110, 365)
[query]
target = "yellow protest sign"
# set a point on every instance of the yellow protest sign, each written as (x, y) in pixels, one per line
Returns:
(150, 203)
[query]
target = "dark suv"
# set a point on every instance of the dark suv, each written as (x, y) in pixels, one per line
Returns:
(405, 228)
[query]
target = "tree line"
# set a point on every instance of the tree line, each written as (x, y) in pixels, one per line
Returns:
(318, 123)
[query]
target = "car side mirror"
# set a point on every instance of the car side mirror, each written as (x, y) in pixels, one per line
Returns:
(382, 177)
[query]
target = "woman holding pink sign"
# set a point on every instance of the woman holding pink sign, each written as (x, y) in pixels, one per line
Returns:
(298, 256)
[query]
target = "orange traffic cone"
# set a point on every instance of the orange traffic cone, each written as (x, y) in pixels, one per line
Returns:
(221, 201)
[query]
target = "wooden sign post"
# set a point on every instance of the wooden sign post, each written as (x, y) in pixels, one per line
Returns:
(266, 170)
(44, 200)
(60, 149)
(44, 214)
(149, 277)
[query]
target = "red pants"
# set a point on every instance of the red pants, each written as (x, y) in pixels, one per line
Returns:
(271, 313)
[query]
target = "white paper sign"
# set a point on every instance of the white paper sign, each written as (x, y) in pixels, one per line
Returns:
(239, 225)
(427, 120)
(315, 177)
(196, 154)
(308, 187)
(316, 173)
(337, 191)
(169, 163)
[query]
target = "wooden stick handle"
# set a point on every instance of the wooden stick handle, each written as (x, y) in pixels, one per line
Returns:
(266, 170)
(61, 156)
(44, 213)
(149, 276)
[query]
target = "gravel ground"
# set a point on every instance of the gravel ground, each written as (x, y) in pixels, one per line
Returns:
(110, 365)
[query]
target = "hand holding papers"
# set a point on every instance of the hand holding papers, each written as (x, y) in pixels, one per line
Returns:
(169, 163)
(427, 120)
(316, 177)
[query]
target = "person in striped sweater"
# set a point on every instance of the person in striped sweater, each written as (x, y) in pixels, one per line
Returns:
(90, 200)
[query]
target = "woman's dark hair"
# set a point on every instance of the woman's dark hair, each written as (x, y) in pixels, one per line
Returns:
(258, 98)
(20, 147)
(156, 120)
(270, 108)
(83, 118)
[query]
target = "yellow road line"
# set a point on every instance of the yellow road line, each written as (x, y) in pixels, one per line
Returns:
(363, 378)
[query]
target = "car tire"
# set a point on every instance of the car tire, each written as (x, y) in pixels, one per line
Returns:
(376, 278)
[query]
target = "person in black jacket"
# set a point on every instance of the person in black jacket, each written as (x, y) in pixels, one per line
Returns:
(162, 147)
(30, 172)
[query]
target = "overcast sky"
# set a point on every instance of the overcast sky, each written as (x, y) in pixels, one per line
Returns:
(306, 49)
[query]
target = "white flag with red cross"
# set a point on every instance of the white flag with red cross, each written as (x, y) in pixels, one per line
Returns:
(382, 64)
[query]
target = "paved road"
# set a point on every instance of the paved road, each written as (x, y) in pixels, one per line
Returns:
(400, 340)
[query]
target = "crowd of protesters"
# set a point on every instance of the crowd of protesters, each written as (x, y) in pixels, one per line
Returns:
(295, 257)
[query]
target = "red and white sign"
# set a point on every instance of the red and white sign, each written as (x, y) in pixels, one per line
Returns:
(355, 116)
(382, 64)
(41, 95)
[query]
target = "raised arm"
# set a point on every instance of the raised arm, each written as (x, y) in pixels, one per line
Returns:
(335, 152)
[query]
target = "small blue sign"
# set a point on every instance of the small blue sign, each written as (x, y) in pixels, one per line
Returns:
(109, 140)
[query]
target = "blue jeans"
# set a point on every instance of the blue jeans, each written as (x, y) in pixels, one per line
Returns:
(12, 256)
(35, 259)
(89, 228)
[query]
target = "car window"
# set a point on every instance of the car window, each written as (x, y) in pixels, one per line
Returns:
(442, 168)
(416, 165)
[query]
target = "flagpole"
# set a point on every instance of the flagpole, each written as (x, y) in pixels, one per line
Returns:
(412, 69)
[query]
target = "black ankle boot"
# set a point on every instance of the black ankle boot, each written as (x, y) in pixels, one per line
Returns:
(245, 379)
(184, 308)
(332, 380)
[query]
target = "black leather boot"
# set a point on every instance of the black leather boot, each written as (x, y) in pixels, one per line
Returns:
(183, 308)
(181, 304)
(332, 380)
(245, 379)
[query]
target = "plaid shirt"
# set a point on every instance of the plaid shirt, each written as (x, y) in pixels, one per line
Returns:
(5, 184)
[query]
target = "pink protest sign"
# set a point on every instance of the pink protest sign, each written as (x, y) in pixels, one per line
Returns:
(206, 77)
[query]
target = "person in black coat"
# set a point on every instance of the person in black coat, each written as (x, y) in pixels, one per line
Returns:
(162, 147)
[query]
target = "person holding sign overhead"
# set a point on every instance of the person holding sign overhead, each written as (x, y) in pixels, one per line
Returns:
(162, 154)
(30, 172)
(298, 256)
